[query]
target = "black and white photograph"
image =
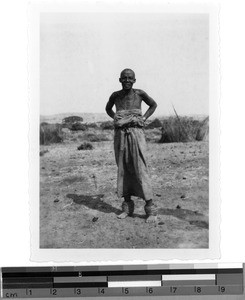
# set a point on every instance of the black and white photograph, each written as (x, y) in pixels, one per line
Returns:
(37, 84)
(126, 142)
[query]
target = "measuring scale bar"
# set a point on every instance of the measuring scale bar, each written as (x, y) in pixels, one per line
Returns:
(47, 282)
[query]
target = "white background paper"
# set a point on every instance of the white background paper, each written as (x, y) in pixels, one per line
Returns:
(14, 206)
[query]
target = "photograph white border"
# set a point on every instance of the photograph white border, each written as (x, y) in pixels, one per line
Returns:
(112, 255)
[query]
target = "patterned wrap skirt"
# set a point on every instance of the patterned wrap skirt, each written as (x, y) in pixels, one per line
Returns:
(130, 148)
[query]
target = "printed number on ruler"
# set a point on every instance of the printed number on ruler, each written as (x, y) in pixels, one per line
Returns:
(173, 289)
(53, 292)
(198, 289)
(221, 289)
(125, 291)
(77, 291)
(149, 290)
(101, 291)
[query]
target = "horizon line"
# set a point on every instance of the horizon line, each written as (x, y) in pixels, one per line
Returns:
(161, 114)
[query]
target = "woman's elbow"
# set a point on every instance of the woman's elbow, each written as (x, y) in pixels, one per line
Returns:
(107, 109)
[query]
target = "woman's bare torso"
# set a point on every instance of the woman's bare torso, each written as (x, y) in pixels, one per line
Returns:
(128, 101)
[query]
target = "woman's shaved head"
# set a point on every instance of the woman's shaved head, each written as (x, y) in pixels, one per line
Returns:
(127, 71)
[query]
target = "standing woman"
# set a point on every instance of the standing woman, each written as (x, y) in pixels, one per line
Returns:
(130, 145)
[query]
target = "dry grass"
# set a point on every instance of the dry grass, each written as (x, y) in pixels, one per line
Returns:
(203, 131)
(42, 152)
(96, 137)
(50, 133)
(179, 129)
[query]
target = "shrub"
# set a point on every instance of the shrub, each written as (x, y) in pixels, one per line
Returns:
(78, 126)
(154, 124)
(72, 119)
(179, 129)
(50, 133)
(85, 146)
(73, 123)
(92, 125)
(107, 125)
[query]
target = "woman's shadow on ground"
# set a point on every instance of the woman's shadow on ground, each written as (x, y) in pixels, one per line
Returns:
(193, 217)
(95, 202)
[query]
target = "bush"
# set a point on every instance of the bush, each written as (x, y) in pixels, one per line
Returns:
(73, 123)
(50, 133)
(107, 125)
(181, 129)
(72, 119)
(85, 146)
(154, 124)
(203, 131)
(92, 125)
(78, 126)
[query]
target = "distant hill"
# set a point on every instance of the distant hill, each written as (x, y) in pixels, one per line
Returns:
(195, 117)
(87, 117)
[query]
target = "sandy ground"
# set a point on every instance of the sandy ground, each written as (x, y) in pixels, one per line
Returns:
(79, 206)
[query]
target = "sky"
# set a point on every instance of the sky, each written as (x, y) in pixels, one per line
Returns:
(82, 55)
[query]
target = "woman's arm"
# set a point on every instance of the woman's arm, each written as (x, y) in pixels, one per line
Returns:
(109, 106)
(150, 102)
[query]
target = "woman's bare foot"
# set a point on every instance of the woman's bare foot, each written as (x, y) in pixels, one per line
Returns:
(151, 219)
(122, 215)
